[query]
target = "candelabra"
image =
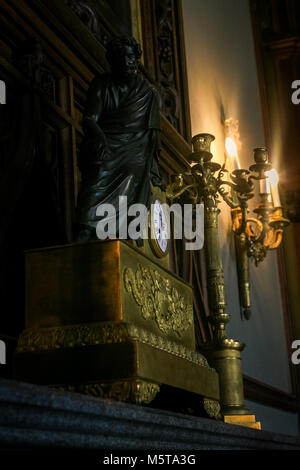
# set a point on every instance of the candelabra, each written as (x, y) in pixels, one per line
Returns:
(207, 182)
(254, 236)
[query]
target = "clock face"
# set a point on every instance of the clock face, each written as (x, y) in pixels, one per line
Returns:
(159, 233)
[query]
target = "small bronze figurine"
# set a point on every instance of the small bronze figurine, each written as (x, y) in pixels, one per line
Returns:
(121, 124)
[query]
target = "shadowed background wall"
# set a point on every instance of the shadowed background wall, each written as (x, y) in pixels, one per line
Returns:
(223, 83)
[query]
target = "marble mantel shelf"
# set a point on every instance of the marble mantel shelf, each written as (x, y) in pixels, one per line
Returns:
(33, 417)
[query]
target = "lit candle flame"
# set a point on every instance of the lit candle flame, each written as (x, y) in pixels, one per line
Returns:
(230, 147)
(273, 177)
(231, 150)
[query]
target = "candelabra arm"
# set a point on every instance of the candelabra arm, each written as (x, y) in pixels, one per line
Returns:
(230, 201)
(277, 239)
(171, 195)
(277, 224)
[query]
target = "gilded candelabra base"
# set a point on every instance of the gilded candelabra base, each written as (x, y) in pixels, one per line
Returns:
(225, 357)
(223, 354)
(135, 391)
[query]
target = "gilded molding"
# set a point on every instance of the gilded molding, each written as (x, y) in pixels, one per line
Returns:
(130, 391)
(71, 336)
(158, 299)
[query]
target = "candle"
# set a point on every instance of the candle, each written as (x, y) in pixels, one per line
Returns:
(232, 152)
(264, 186)
(274, 179)
(275, 196)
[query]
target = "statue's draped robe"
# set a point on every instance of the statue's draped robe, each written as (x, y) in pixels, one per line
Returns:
(124, 163)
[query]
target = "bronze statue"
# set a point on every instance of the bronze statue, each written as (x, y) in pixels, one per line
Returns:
(121, 124)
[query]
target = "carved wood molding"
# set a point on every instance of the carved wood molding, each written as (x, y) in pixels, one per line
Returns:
(163, 42)
(89, 18)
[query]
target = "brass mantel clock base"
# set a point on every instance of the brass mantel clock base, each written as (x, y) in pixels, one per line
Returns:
(103, 318)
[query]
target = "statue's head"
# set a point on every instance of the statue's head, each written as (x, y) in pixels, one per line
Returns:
(123, 55)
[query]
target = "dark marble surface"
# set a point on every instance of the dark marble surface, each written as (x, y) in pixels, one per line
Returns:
(33, 417)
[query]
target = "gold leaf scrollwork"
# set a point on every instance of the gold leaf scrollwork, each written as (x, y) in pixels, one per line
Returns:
(158, 299)
(72, 336)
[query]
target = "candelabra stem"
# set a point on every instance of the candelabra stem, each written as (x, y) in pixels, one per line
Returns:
(215, 276)
(224, 354)
(242, 262)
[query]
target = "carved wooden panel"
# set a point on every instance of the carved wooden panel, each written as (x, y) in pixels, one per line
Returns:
(162, 37)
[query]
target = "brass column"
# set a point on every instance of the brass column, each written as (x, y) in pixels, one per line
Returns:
(242, 264)
(223, 354)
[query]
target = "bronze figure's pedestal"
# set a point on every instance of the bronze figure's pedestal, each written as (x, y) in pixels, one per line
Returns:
(103, 318)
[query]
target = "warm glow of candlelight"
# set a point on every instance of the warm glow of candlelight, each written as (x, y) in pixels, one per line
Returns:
(213, 149)
(273, 179)
(230, 147)
(231, 150)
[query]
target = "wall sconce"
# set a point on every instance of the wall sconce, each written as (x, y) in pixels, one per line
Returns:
(254, 236)
(264, 232)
